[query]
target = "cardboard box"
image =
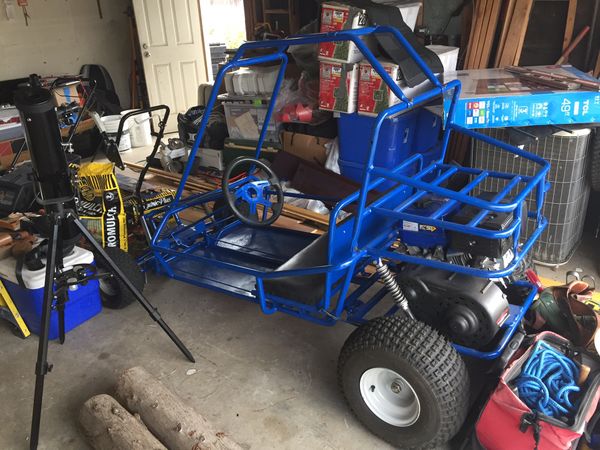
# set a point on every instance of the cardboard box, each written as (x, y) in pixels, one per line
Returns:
(8, 150)
(67, 94)
(338, 86)
(235, 148)
(305, 146)
(375, 96)
(336, 17)
(495, 98)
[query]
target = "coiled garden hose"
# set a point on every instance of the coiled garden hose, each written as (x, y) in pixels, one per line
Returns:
(547, 382)
(389, 279)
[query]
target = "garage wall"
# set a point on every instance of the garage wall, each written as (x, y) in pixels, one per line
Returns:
(62, 36)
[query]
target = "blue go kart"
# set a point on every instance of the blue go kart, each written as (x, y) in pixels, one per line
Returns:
(424, 267)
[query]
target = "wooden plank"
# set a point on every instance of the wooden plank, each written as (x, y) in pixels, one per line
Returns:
(470, 41)
(516, 34)
(251, 19)
(490, 34)
(522, 31)
(84, 125)
(475, 32)
(466, 23)
(485, 23)
(569, 24)
(574, 43)
(506, 17)
(199, 185)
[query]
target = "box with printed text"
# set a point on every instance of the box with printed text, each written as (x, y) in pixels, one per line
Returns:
(495, 98)
(338, 86)
(337, 17)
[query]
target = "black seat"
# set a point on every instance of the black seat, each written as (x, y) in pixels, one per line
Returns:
(306, 289)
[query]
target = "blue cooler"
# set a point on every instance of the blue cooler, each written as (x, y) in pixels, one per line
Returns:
(399, 138)
(83, 304)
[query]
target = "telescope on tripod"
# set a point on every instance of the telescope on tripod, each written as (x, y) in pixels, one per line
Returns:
(55, 194)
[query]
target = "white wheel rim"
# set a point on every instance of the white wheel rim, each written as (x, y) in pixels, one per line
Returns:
(108, 287)
(390, 397)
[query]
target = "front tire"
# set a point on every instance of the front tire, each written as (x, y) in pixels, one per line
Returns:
(404, 382)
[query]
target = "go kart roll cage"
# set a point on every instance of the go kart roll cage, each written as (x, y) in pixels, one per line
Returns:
(374, 227)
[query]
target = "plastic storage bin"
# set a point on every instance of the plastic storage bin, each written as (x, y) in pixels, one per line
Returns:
(83, 304)
(245, 117)
(111, 125)
(399, 137)
(140, 130)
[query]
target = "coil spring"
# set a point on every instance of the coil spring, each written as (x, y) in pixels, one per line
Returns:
(388, 278)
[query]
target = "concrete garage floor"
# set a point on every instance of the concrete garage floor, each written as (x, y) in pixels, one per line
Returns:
(268, 382)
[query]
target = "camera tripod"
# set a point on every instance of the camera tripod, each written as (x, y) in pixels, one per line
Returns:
(60, 219)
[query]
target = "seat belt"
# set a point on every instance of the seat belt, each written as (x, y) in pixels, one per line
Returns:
(387, 15)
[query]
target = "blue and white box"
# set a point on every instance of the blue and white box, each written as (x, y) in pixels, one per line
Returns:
(495, 98)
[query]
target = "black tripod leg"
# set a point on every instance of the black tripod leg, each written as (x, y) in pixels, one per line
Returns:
(151, 310)
(60, 309)
(42, 367)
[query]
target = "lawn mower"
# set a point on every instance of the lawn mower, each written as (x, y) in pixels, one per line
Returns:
(446, 256)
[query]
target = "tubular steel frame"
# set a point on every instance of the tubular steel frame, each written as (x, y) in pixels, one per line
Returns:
(358, 241)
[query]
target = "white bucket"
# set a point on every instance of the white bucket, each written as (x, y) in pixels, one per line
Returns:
(111, 126)
(139, 128)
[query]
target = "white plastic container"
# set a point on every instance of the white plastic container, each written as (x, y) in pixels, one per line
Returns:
(139, 129)
(448, 56)
(229, 83)
(111, 126)
(249, 82)
(267, 78)
(245, 82)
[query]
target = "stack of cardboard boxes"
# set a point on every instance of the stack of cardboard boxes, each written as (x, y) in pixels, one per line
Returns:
(348, 83)
(338, 87)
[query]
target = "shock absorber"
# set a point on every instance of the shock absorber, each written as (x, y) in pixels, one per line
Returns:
(388, 278)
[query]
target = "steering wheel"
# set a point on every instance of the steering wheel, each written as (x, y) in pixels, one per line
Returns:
(244, 197)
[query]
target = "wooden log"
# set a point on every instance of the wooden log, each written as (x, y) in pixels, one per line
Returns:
(109, 426)
(176, 424)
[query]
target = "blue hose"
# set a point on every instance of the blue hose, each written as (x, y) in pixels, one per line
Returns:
(547, 381)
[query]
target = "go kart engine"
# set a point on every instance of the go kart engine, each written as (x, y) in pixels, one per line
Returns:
(467, 310)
